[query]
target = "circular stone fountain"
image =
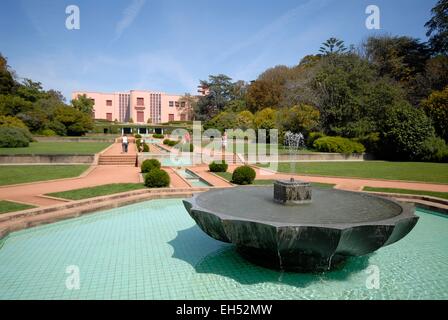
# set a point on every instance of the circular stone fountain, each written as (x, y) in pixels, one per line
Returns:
(295, 228)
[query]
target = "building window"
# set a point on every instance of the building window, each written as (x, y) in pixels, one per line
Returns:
(177, 104)
(109, 103)
(171, 117)
(182, 104)
(109, 116)
(183, 117)
(171, 104)
(140, 101)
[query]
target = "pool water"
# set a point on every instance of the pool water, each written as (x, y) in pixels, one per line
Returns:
(153, 250)
(180, 161)
(193, 179)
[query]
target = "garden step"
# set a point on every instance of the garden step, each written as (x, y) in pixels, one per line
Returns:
(122, 159)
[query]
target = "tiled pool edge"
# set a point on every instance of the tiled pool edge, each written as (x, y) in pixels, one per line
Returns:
(20, 220)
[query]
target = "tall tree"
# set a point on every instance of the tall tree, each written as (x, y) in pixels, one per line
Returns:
(7, 82)
(83, 104)
(220, 92)
(333, 45)
(438, 28)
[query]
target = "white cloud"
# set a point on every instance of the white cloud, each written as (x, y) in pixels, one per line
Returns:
(129, 14)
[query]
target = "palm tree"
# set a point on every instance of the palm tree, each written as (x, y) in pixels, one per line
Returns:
(332, 45)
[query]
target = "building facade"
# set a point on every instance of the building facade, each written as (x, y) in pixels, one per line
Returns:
(140, 106)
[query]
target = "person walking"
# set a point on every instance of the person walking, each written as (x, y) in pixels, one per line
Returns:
(124, 144)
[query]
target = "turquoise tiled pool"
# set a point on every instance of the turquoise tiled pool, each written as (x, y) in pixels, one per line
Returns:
(153, 250)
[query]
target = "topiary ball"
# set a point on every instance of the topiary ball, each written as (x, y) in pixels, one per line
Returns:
(243, 175)
(150, 164)
(157, 178)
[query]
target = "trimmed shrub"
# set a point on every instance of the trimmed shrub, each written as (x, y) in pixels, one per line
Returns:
(166, 141)
(48, 133)
(11, 137)
(157, 178)
(339, 145)
(172, 143)
(145, 147)
(218, 167)
(150, 164)
(434, 149)
(158, 136)
(137, 136)
(243, 175)
(313, 136)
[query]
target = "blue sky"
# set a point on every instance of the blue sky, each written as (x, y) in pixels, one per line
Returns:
(169, 45)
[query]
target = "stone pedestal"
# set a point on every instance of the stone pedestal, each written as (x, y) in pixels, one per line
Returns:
(292, 192)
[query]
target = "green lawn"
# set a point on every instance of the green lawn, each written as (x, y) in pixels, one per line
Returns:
(64, 147)
(32, 173)
(410, 171)
(443, 195)
(267, 182)
(79, 194)
(9, 206)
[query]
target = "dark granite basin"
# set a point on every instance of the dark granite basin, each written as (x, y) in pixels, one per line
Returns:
(308, 237)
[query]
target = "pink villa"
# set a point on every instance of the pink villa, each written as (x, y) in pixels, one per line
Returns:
(141, 106)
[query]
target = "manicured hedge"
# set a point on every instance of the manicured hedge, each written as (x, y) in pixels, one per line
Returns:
(313, 136)
(137, 136)
(218, 167)
(150, 164)
(145, 147)
(158, 136)
(11, 137)
(339, 145)
(157, 178)
(243, 175)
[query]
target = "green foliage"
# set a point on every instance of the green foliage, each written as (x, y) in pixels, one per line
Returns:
(11, 105)
(265, 119)
(170, 143)
(7, 82)
(145, 147)
(244, 120)
(438, 28)
(218, 166)
(332, 46)
(83, 103)
(338, 144)
(157, 178)
(150, 164)
(11, 137)
(47, 133)
(313, 136)
(434, 149)
(403, 132)
(302, 118)
(8, 121)
(436, 107)
(223, 120)
(137, 136)
(158, 136)
(76, 122)
(243, 175)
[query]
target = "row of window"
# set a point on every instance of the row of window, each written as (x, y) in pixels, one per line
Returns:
(176, 103)
(141, 102)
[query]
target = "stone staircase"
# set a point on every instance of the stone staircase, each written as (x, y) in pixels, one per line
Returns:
(117, 160)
